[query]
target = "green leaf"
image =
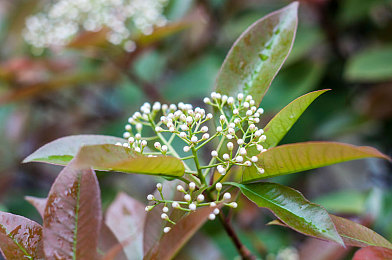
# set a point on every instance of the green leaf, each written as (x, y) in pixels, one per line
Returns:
(297, 157)
(344, 202)
(109, 157)
(292, 209)
(73, 216)
(281, 123)
(371, 65)
(62, 150)
(20, 238)
(258, 54)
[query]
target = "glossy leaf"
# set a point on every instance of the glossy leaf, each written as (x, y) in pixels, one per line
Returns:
(371, 65)
(373, 253)
(61, 151)
(126, 217)
(172, 242)
(258, 54)
(352, 233)
(297, 157)
(20, 238)
(292, 209)
(38, 203)
(72, 218)
(109, 246)
(355, 234)
(281, 123)
(111, 157)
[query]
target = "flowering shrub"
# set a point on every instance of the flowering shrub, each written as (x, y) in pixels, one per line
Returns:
(230, 130)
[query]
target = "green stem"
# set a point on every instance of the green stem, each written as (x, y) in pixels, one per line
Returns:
(199, 171)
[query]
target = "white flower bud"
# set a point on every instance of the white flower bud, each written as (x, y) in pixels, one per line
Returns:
(233, 205)
(126, 135)
(180, 188)
(226, 157)
(214, 153)
(212, 204)
(184, 127)
(218, 186)
(204, 129)
(156, 106)
(131, 120)
(240, 96)
(259, 147)
(164, 148)
(218, 96)
(224, 99)
(261, 170)
(158, 129)
(221, 169)
(131, 140)
(139, 127)
(254, 159)
(165, 209)
(256, 114)
(143, 143)
(194, 139)
(248, 163)
(237, 121)
(230, 101)
(229, 136)
(262, 138)
(164, 107)
(211, 216)
(252, 102)
(172, 129)
(246, 104)
(191, 112)
(166, 229)
(200, 198)
(148, 208)
(205, 136)
(183, 135)
(240, 141)
(172, 107)
(189, 120)
(192, 206)
(249, 113)
(216, 211)
(260, 111)
(159, 186)
(227, 196)
(256, 120)
(206, 100)
(187, 197)
(192, 186)
(213, 95)
(175, 205)
(219, 129)
(242, 151)
(231, 131)
(137, 115)
(150, 197)
(222, 118)
(209, 116)
(258, 133)
(164, 216)
(235, 111)
(157, 145)
(138, 136)
(230, 146)
(239, 159)
(137, 149)
(128, 127)
(186, 149)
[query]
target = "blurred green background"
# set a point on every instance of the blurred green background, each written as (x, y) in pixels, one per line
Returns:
(92, 86)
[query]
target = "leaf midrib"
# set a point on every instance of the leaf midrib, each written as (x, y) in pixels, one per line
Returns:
(17, 243)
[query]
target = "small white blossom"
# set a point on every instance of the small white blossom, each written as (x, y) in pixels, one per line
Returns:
(143, 143)
(240, 96)
(209, 116)
(187, 197)
(206, 100)
(192, 186)
(159, 186)
(126, 135)
(205, 136)
(230, 101)
(235, 111)
(128, 127)
(227, 196)
(261, 170)
(230, 146)
(242, 151)
(192, 206)
(260, 111)
(233, 205)
(184, 127)
(226, 157)
(164, 216)
(212, 204)
(180, 188)
(219, 129)
(222, 118)
(186, 149)
(175, 205)
(200, 198)
(204, 129)
(262, 138)
(218, 186)
(138, 136)
(131, 140)
(137, 149)
(164, 148)
(248, 163)
(158, 129)
(216, 211)
(211, 216)
(194, 139)
(239, 159)
(166, 229)
(165, 209)
(259, 147)
(214, 153)
(240, 141)
(150, 197)
(221, 169)
(183, 135)
(246, 104)
(254, 159)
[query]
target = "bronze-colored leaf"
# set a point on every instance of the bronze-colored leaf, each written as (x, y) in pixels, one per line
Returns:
(38, 203)
(373, 253)
(20, 238)
(72, 218)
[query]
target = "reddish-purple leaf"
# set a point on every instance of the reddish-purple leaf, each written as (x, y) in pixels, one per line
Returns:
(172, 242)
(373, 253)
(109, 246)
(38, 203)
(355, 234)
(126, 217)
(72, 218)
(20, 238)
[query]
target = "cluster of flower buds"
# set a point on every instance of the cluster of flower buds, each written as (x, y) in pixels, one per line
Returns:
(192, 199)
